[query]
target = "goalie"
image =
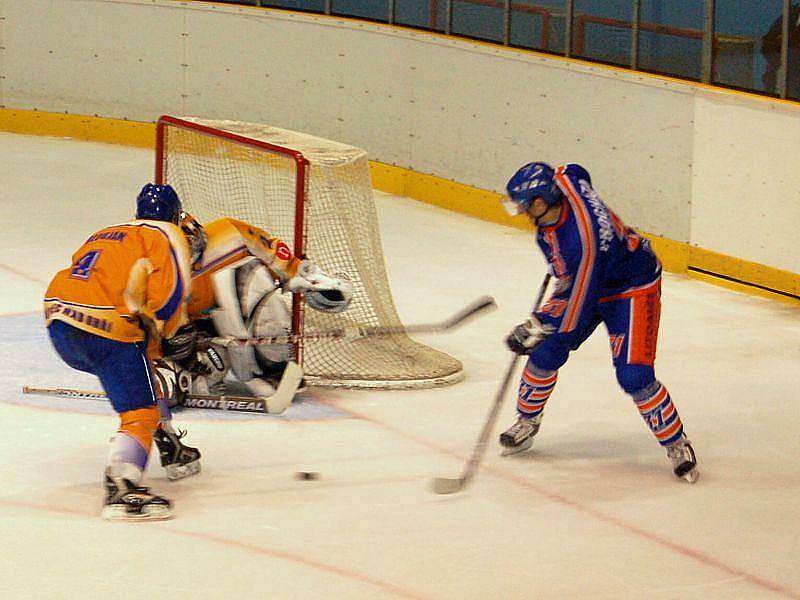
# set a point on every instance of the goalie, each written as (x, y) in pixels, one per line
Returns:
(236, 288)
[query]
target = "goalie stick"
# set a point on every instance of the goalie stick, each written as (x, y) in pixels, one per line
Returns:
(275, 404)
(451, 485)
(475, 308)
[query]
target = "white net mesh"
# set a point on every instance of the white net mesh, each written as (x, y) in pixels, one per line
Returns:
(220, 177)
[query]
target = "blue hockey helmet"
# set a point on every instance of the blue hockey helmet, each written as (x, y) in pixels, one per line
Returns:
(158, 203)
(534, 180)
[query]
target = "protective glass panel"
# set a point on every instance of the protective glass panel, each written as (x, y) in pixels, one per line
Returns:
(376, 10)
(479, 19)
(309, 5)
(793, 86)
(740, 29)
(602, 30)
(426, 15)
(538, 25)
(671, 37)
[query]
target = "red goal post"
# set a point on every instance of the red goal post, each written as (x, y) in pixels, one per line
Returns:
(315, 195)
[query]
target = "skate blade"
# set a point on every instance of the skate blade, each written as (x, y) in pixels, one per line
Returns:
(148, 513)
(176, 472)
(691, 476)
(512, 450)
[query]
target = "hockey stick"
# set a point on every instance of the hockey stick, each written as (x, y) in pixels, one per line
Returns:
(475, 308)
(275, 404)
(451, 485)
(232, 403)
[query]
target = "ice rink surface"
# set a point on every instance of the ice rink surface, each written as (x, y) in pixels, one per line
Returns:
(593, 511)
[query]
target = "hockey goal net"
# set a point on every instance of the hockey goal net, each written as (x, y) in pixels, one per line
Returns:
(315, 195)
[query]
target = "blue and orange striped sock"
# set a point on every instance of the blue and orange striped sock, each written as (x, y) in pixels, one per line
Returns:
(534, 390)
(658, 411)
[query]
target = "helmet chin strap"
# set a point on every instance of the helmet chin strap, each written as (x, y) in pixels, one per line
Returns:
(537, 218)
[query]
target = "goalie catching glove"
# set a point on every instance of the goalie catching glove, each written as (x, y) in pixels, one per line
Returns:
(525, 337)
(323, 292)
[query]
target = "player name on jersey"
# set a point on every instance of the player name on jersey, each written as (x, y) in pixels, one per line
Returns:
(114, 236)
(78, 316)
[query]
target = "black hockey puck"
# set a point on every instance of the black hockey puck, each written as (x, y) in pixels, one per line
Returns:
(307, 475)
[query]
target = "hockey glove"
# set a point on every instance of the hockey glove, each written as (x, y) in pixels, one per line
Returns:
(327, 293)
(181, 345)
(173, 382)
(525, 337)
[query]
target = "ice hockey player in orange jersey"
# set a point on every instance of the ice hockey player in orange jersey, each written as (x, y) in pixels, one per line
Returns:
(126, 289)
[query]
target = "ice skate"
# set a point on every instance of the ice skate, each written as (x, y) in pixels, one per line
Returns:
(684, 463)
(178, 459)
(128, 502)
(519, 437)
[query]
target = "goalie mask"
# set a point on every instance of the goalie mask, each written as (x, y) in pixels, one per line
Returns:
(195, 234)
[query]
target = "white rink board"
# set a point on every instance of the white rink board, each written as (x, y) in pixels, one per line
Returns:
(115, 59)
(746, 196)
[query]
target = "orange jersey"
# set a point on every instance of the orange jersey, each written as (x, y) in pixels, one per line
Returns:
(141, 268)
(228, 242)
(202, 299)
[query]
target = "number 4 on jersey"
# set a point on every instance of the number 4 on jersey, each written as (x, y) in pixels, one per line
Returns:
(82, 268)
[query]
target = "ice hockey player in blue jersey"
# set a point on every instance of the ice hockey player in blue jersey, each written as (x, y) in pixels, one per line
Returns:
(605, 273)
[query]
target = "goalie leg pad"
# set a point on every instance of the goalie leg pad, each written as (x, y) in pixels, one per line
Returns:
(272, 319)
(248, 290)
(228, 321)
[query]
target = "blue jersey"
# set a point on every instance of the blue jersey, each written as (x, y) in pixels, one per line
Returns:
(593, 255)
